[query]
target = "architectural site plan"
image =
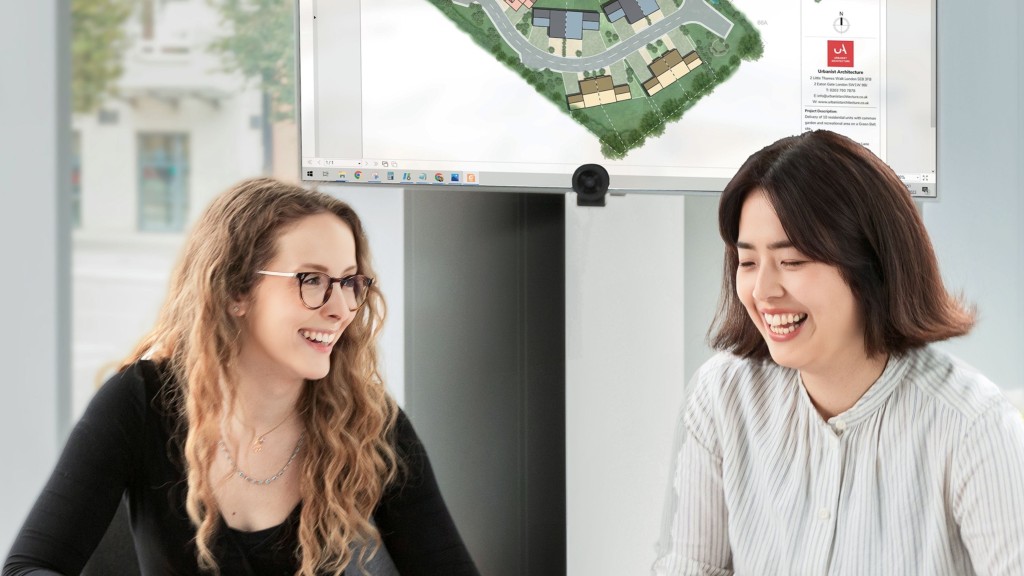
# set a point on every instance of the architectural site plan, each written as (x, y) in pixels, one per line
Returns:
(623, 69)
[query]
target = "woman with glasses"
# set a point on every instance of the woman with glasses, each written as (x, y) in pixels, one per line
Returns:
(828, 436)
(250, 432)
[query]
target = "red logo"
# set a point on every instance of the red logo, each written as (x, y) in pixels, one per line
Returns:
(840, 53)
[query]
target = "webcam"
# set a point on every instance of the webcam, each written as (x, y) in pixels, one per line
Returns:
(590, 182)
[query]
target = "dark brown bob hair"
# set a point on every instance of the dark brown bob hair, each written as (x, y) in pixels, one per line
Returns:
(841, 205)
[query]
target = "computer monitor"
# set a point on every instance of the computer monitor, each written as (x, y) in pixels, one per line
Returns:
(667, 95)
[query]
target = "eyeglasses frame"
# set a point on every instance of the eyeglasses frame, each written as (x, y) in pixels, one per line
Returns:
(331, 281)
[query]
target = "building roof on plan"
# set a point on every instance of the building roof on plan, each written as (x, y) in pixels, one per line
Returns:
(666, 62)
(597, 91)
(633, 10)
(515, 4)
(566, 23)
(596, 84)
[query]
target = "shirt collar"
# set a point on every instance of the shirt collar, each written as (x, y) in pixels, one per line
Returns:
(872, 400)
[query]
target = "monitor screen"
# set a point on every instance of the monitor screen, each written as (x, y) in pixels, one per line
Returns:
(666, 95)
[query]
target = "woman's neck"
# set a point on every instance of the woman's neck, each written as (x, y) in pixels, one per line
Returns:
(261, 403)
(837, 390)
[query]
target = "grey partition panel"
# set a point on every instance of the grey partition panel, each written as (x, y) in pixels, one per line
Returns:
(485, 368)
(35, 240)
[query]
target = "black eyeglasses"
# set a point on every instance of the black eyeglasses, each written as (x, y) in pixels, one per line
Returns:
(315, 288)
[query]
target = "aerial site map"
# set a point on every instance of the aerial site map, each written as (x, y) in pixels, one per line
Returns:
(623, 69)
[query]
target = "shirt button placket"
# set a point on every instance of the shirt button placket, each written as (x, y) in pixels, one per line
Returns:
(829, 509)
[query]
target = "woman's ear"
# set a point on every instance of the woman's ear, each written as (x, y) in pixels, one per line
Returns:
(238, 308)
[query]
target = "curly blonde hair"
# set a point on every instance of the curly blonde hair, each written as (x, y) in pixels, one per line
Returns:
(348, 415)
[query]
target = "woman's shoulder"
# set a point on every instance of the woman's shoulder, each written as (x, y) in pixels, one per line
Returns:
(727, 374)
(140, 375)
(730, 388)
(952, 384)
(136, 386)
(728, 363)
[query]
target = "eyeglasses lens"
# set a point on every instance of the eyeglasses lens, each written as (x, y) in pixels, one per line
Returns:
(315, 289)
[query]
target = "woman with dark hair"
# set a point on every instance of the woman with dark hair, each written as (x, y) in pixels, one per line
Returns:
(250, 432)
(827, 436)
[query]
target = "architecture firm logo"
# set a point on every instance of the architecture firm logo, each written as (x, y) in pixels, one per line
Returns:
(840, 53)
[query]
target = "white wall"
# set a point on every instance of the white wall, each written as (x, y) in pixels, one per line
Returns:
(34, 251)
(624, 376)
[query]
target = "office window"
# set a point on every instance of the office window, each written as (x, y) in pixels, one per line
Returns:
(166, 130)
(76, 179)
(163, 182)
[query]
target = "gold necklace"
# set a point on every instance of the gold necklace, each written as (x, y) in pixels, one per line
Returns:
(250, 479)
(257, 442)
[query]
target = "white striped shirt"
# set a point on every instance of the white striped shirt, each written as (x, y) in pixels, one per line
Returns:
(924, 475)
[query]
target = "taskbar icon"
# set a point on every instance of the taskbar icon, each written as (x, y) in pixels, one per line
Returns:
(353, 175)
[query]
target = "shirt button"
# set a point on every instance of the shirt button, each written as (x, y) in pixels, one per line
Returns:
(824, 513)
(840, 425)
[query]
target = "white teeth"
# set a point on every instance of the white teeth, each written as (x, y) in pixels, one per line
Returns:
(322, 337)
(783, 323)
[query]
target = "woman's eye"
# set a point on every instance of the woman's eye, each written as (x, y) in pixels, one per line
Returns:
(793, 263)
(312, 280)
(746, 264)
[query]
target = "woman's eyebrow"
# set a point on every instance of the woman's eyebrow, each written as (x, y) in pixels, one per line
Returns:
(320, 268)
(772, 246)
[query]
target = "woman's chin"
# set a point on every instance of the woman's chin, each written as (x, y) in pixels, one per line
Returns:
(317, 372)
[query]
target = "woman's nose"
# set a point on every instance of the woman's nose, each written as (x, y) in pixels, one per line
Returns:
(337, 305)
(767, 285)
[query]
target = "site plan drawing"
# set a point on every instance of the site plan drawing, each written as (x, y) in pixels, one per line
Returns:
(623, 69)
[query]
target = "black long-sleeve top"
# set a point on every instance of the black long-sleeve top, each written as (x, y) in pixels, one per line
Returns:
(125, 446)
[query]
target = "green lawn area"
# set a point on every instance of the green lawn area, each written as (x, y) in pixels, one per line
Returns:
(620, 116)
(623, 115)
